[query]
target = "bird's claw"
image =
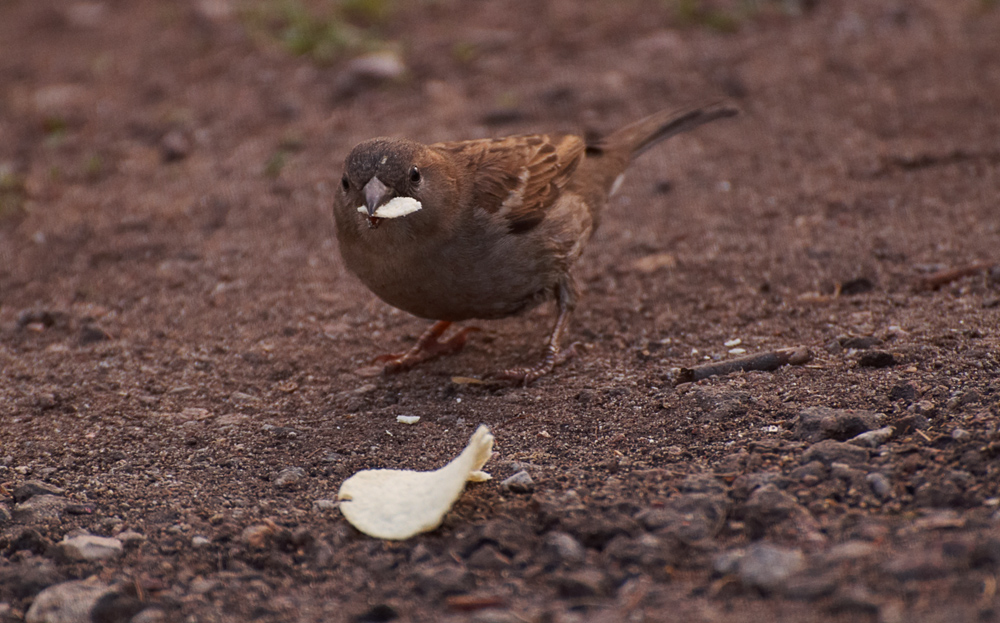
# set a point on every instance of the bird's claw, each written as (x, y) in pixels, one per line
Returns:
(427, 347)
(527, 376)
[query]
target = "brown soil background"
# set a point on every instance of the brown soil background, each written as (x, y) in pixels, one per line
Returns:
(176, 327)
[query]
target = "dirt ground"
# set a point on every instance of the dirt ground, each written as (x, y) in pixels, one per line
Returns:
(183, 356)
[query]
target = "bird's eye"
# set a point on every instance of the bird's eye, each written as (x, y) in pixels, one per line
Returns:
(345, 183)
(414, 175)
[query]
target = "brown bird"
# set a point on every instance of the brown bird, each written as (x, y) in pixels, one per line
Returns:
(484, 228)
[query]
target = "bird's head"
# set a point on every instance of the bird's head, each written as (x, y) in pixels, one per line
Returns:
(388, 178)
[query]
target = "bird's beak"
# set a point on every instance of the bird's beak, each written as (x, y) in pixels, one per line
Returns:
(376, 194)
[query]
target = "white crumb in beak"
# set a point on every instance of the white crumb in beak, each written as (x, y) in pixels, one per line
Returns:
(398, 504)
(400, 206)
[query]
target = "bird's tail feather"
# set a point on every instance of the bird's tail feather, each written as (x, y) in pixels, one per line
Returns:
(637, 137)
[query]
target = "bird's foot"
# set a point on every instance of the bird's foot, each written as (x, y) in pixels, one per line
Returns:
(526, 376)
(428, 347)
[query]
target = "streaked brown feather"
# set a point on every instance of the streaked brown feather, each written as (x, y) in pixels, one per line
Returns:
(519, 177)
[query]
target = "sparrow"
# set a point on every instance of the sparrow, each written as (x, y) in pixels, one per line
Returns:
(485, 228)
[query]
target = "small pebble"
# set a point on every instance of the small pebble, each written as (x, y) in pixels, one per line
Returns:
(32, 488)
(766, 507)
(830, 451)
(918, 564)
(178, 528)
(923, 407)
(495, 616)
(243, 398)
(856, 599)
(199, 542)
(325, 504)
(879, 484)
(150, 615)
(906, 392)
(289, 477)
(131, 538)
(377, 66)
(201, 585)
(844, 472)
(68, 602)
(873, 438)
(40, 508)
(520, 482)
(810, 473)
(407, 419)
(366, 71)
(257, 535)
(90, 547)
(850, 551)
(860, 342)
(728, 562)
(566, 548)
(767, 567)
(818, 423)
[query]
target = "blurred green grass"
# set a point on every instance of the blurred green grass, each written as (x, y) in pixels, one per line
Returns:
(322, 31)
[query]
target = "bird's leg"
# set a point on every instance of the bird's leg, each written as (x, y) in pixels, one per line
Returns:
(554, 355)
(428, 346)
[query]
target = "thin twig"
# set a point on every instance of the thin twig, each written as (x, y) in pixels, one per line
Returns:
(764, 362)
(940, 278)
(469, 603)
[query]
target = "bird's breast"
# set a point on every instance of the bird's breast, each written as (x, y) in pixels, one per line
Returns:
(476, 269)
(461, 278)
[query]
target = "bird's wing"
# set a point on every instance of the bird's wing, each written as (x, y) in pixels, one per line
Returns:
(518, 178)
